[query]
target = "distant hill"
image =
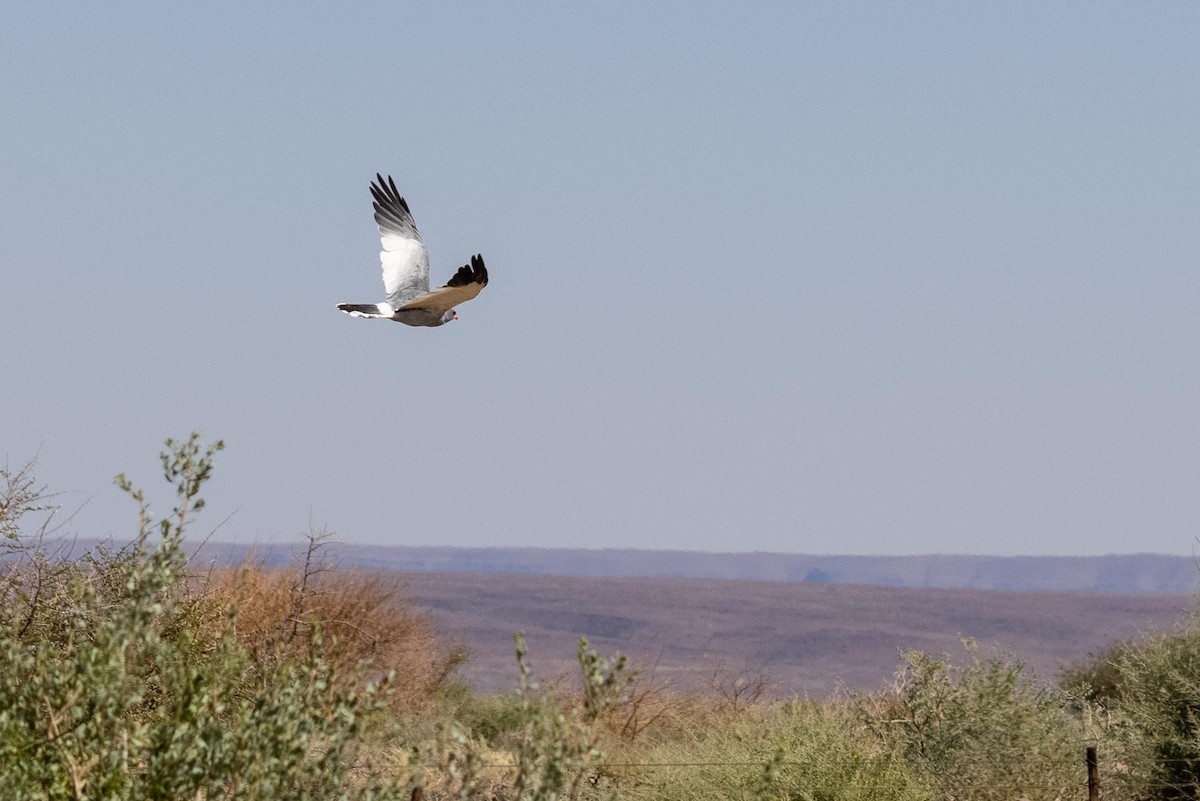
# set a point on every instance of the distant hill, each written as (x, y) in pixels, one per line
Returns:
(812, 623)
(1137, 574)
(809, 638)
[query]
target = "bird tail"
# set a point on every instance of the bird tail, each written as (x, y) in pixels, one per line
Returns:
(369, 310)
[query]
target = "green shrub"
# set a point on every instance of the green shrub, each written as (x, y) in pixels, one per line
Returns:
(556, 749)
(493, 719)
(785, 750)
(113, 686)
(1157, 714)
(1097, 678)
(982, 730)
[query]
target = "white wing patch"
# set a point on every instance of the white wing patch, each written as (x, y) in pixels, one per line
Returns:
(405, 264)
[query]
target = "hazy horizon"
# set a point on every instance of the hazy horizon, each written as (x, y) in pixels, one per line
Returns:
(299, 540)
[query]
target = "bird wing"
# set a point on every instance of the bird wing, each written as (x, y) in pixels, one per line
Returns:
(403, 256)
(468, 282)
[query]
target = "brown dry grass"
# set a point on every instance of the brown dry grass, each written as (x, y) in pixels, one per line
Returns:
(346, 617)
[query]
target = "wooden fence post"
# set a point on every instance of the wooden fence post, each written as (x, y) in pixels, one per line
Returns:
(1093, 775)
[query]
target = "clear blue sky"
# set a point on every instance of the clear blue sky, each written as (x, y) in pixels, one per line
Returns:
(837, 278)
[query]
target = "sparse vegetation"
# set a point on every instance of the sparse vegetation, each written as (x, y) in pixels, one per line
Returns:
(125, 675)
(118, 680)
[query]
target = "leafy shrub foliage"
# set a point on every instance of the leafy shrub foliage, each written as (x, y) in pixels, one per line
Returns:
(557, 747)
(112, 687)
(1151, 690)
(978, 730)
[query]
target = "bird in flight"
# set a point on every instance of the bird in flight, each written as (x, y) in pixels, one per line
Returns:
(405, 264)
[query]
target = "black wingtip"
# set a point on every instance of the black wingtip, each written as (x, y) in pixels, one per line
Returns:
(386, 194)
(473, 273)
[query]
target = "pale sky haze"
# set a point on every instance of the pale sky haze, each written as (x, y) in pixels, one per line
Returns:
(864, 278)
